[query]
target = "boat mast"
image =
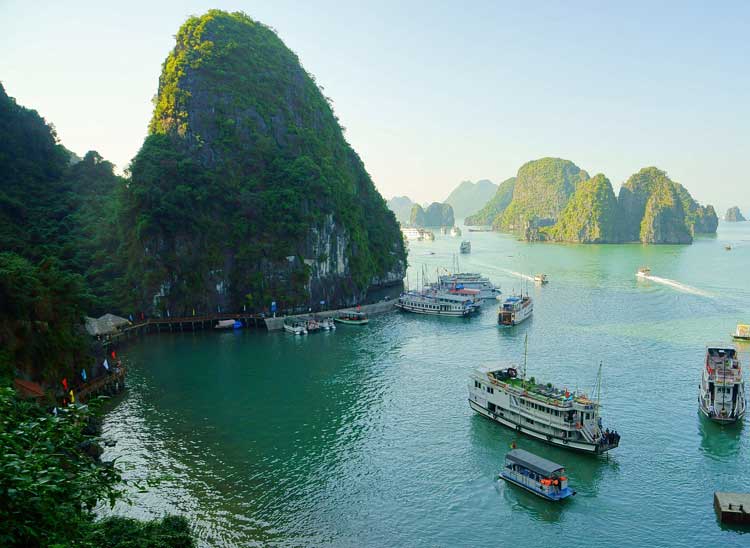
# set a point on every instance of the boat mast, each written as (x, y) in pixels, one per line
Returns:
(525, 354)
(598, 389)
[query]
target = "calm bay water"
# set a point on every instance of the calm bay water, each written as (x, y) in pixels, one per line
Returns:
(364, 437)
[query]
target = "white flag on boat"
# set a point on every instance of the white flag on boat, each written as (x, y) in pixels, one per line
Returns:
(106, 364)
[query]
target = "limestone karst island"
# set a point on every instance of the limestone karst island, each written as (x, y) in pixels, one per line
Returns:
(372, 275)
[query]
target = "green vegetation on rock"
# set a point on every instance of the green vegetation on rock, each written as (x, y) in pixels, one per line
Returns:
(436, 214)
(468, 197)
(664, 219)
(246, 183)
(734, 215)
(590, 216)
(542, 189)
(495, 206)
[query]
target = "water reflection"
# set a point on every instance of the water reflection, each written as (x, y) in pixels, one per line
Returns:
(720, 441)
(520, 500)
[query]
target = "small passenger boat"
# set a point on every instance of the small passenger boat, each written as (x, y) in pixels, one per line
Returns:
(541, 279)
(643, 272)
(721, 395)
(437, 303)
(540, 476)
(295, 327)
(465, 246)
(742, 332)
(350, 317)
(228, 324)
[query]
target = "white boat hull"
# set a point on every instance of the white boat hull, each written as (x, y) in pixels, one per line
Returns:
(430, 312)
(567, 444)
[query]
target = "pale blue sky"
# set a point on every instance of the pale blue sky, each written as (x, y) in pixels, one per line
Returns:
(432, 93)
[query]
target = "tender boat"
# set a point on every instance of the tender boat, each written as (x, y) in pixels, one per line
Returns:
(468, 280)
(542, 411)
(327, 324)
(742, 332)
(228, 324)
(541, 279)
(722, 389)
(437, 303)
(728, 247)
(643, 272)
(295, 327)
(514, 310)
(542, 477)
(466, 246)
(350, 317)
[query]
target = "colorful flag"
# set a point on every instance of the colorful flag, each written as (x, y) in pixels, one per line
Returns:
(114, 356)
(83, 375)
(72, 396)
(65, 384)
(106, 363)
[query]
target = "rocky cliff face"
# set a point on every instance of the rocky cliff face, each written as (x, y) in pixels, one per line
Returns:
(401, 207)
(469, 197)
(590, 216)
(541, 191)
(664, 220)
(245, 190)
(436, 214)
(495, 206)
(734, 215)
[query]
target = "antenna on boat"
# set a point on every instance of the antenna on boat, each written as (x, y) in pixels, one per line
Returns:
(525, 353)
(598, 387)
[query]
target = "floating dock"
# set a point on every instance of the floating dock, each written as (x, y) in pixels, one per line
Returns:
(732, 507)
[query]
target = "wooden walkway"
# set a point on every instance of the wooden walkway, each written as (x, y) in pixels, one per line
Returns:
(185, 323)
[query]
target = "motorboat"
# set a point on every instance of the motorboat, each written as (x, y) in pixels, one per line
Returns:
(540, 476)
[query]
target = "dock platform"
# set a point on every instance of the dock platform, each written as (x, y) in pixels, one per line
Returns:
(732, 507)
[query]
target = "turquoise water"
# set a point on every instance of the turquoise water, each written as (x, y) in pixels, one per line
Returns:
(364, 437)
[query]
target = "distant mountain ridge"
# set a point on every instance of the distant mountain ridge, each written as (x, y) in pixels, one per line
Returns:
(553, 199)
(468, 197)
(401, 207)
(436, 214)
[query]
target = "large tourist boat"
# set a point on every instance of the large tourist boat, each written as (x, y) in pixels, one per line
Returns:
(514, 310)
(742, 332)
(542, 477)
(722, 388)
(542, 411)
(468, 280)
(438, 303)
(465, 246)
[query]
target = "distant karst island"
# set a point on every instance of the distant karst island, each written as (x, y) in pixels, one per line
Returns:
(435, 215)
(734, 215)
(552, 199)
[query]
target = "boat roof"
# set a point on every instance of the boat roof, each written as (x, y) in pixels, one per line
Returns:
(533, 462)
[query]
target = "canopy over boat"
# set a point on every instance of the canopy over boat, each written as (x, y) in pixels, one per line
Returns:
(533, 462)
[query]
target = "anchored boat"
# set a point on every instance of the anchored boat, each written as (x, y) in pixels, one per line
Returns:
(466, 246)
(295, 327)
(350, 317)
(515, 309)
(542, 477)
(437, 303)
(542, 411)
(742, 332)
(467, 280)
(722, 389)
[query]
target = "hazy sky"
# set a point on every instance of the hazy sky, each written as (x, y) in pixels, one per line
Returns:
(433, 93)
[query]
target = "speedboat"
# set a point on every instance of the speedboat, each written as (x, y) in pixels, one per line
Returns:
(295, 327)
(350, 317)
(541, 279)
(540, 476)
(742, 332)
(643, 272)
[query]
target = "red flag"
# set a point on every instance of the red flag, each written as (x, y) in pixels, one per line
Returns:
(113, 355)
(65, 384)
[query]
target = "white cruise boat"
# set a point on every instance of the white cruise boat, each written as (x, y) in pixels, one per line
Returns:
(455, 231)
(722, 388)
(541, 411)
(412, 233)
(468, 280)
(438, 303)
(515, 309)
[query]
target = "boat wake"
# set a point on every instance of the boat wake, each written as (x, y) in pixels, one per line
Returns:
(518, 274)
(677, 285)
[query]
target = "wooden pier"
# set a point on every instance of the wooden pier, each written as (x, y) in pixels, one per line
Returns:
(732, 507)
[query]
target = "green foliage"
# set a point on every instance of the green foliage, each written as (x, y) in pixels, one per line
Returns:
(41, 310)
(542, 189)
(590, 216)
(50, 485)
(495, 206)
(245, 157)
(468, 196)
(117, 532)
(664, 218)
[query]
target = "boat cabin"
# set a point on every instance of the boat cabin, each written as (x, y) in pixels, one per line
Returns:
(536, 474)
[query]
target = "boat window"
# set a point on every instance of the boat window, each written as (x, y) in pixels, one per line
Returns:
(490, 390)
(477, 384)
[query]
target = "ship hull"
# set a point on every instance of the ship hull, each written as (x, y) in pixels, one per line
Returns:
(575, 445)
(418, 310)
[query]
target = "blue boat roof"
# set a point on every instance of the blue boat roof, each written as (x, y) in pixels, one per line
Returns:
(533, 462)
